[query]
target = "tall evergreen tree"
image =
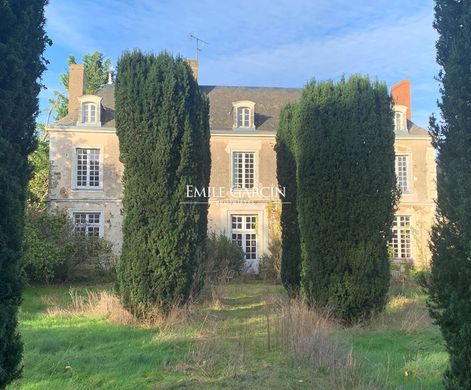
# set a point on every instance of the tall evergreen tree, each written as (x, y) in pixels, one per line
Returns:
(22, 42)
(163, 129)
(344, 141)
(450, 284)
(286, 169)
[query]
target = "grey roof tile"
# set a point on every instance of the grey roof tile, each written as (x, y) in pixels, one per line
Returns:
(415, 130)
(268, 104)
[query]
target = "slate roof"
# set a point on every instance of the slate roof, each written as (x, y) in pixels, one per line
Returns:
(268, 104)
(415, 130)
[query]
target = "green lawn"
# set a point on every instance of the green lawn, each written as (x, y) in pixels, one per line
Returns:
(225, 342)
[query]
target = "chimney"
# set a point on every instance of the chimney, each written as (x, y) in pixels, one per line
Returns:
(194, 67)
(76, 85)
(401, 95)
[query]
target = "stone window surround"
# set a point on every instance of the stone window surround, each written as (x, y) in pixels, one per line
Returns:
(93, 99)
(398, 108)
(255, 170)
(242, 104)
(74, 186)
(74, 211)
(409, 169)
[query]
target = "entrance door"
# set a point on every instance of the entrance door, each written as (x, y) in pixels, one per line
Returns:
(244, 234)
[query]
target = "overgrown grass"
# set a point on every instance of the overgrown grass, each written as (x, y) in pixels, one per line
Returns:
(240, 335)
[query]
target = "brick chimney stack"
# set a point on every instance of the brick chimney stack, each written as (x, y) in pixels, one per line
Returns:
(77, 85)
(194, 67)
(401, 95)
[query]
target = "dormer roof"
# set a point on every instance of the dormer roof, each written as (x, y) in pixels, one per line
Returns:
(268, 104)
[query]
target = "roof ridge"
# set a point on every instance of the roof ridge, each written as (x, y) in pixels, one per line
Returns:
(248, 87)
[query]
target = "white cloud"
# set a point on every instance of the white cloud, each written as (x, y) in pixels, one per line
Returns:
(263, 42)
(404, 49)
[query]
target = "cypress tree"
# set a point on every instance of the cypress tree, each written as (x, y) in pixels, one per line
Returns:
(449, 286)
(163, 129)
(285, 169)
(22, 42)
(344, 143)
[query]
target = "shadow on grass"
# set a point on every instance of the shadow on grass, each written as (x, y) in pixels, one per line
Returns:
(86, 353)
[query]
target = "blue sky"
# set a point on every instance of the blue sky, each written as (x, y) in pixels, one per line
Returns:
(281, 43)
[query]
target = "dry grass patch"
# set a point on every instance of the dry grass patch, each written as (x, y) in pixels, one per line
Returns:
(213, 357)
(104, 304)
(408, 314)
(311, 337)
(94, 304)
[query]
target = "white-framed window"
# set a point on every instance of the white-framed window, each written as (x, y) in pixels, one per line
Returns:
(402, 173)
(89, 114)
(401, 237)
(243, 117)
(87, 168)
(244, 114)
(87, 223)
(400, 117)
(90, 110)
(243, 169)
(244, 234)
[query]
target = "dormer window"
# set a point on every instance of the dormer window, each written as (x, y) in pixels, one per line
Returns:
(400, 120)
(243, 114)
(243, 117)
(90, 110)
(88, 113)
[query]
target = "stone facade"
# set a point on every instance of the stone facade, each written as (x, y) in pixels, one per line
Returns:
(85, 171)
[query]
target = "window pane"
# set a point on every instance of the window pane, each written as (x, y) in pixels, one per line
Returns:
(237, 170)
(94, 173)
(82, 162)
(88, 113)
(88, 167)
(243, 117)
(246, 121)
(244, 235)
(401, 173)
(92, 113)
(399, 121)
(237, 239)
(250, 222)
(243, 170)
(87, 224)
(401, 237)
(249, 170)
(250, 247)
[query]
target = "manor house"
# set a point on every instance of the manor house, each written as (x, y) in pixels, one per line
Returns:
(85, 170)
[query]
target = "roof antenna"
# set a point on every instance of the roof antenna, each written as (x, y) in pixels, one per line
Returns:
(198, 40)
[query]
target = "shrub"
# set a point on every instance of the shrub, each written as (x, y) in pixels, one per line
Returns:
(88, 259)
(54, 253)
(270, 265)
(225, 258)
(47, 241)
